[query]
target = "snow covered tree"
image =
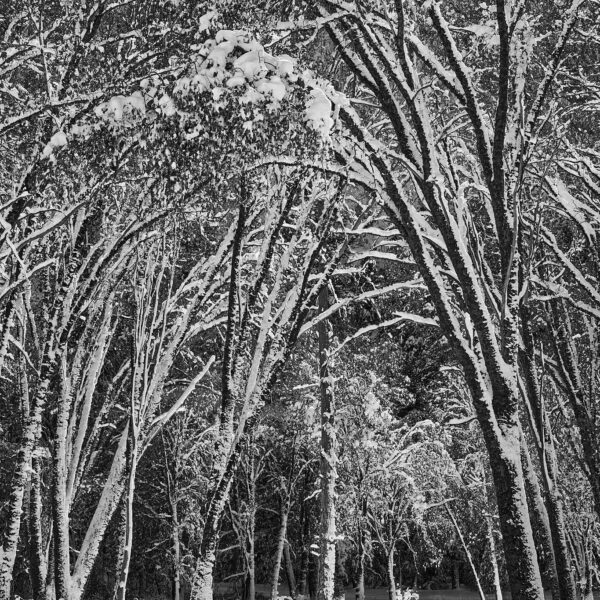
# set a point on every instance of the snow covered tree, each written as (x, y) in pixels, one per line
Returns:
(450, 151)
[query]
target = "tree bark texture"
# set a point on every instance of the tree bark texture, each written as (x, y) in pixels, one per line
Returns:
(328, 473)
(279, 552)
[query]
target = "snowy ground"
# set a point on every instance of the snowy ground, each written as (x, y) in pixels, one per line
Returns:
(263, 591)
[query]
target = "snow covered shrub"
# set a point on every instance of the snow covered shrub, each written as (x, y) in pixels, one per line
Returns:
(406, 594)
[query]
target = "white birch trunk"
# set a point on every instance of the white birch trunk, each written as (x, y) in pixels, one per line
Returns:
(279, 554)
(128, 547)
(390, 575)
(176, 551)
(467, 551)
(109, 500)
(326, 587)
(493, 557)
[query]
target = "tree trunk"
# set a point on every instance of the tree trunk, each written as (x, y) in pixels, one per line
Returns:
(60, 502)
(455, 574)
(490, 362)
(492, 382)
(539, 518)
(390, 574)
(328, 460)
(313, 577)
(250, 552)
(226, 457)
(37, 557)
(566, 584)
(359, 588)
(289, 571)
(493, 557)
(202, 585)
(279, 552)
(305, 558)
(541, 426)
(51, 358)
(121, 543)
(128, 542)
(340, 571)
(517, 536)
(251, 591)
(109, 500)
(176, 552)
(12, 527)
(202, 582)
(567, 359)
(466, 550)
(7, 323)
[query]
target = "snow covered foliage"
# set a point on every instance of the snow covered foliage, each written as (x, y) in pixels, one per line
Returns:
(232, 64)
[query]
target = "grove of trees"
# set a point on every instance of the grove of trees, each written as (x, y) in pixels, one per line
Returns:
(299, 299)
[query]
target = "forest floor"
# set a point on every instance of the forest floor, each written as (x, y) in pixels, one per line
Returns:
(263, 591)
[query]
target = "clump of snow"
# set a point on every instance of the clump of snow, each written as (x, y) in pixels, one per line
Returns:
(285, 65)
(323, 105)
(166, 105)
(122, 110)
(318, 112)
(206, 20)
(485, 33)
(233, 35)
(273, 86)
(251, 96)
(58, 140)
(252, 65)
(232, 60)
(220, 65)
(136, 102)
(236, 81)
